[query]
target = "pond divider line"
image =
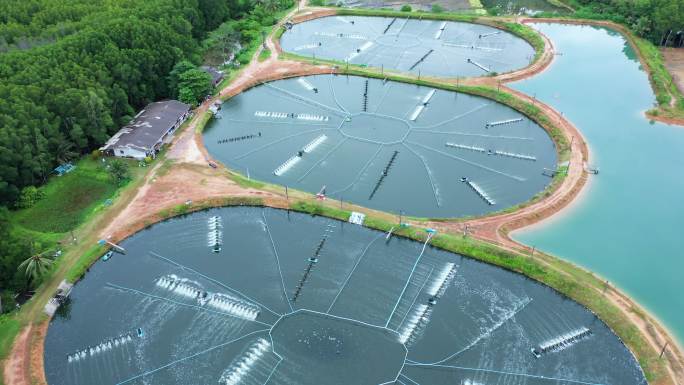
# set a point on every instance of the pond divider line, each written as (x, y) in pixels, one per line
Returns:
(280, 140)
(408, 378)
(514, 177)
(415, 298)
(275, 367)
(471, 46)
(480, 66)
(190, 357)
(481, 106)
(421, 59)
(349, 275)
(321, 160)
(538, 376)
(358, 175)
(408, 280)
(235, 291)
(305, 100)
(389, 25)
(334, 95)
(384, 174)
(403, 25)
(435, 192)
(461, 133)
(160, 298)
(440, 31)
(502, 122)
(487, 333)
(275, 251)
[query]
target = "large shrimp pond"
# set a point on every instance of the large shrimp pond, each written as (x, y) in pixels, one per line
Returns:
(385, 145)
(428, 47)
(255, 296)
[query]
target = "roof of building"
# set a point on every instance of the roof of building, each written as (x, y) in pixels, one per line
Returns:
(216, 75)
(149, 126)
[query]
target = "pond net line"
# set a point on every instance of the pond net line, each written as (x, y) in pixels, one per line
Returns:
(507, 137)
(487, 333)
(287, 123)
(160, 298)
(338, 145)
(235, 291)
(191, 356)
(408, 280)
(346, 280)
(408, 378)
(306, 100)
(501, 372)
(334, 95)
(475, 164)
(275, 252)
(435, 191)
(275, 367)
(481, 106)
(358, 175)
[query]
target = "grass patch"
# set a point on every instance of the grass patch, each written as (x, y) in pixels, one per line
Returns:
(84, 262)
(9, 327)
(412, 15)
(69, 199)
(264, 55)
(244, 182)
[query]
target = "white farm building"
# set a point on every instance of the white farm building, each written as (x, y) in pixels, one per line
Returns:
(147, 132)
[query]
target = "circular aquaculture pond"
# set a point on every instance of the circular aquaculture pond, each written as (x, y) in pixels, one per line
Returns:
(428, 47)
(256, 296)
(384, 145)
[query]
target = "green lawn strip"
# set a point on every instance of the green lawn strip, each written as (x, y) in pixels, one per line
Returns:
(9, 327)
(69, 199)
(264, 55)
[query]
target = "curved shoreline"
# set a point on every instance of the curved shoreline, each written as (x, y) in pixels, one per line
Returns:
(160, 202)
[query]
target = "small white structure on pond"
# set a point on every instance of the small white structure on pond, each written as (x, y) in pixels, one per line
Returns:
(357, 218)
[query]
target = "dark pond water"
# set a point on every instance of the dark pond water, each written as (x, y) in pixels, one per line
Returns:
(172, 311)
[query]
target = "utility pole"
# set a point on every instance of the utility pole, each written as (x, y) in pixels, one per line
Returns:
(400, 213)
(664, 347)
(287, 196)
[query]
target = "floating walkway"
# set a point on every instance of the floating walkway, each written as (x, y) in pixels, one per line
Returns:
(103, 347)
(465, 147)
(515, 155)
(480, 66)
(418, 319)
(312, 261)
(442, 281)
(365, 97)
(440, 31)
(241, 367)
(479, 191)
(424, 102)
(239, 138)
(385, 171)
(503, 122)
(561, 342)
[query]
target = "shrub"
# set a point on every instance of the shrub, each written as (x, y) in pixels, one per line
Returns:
(406, 8)
(436, 8)
(29, 196)
(317, 3)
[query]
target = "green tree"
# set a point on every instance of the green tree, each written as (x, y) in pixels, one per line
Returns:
(406, 8)
(118, 170)
(35, 267)
(193, 86)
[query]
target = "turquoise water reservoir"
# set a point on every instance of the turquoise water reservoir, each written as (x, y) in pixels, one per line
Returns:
(627, 225)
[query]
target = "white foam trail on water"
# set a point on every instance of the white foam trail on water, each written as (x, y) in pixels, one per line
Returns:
(240, 368)
(221, 301)
(288, 164)
(359, 50)
(564, 341)
(314, 143)
(100, 348)
(306, 84)
(305, 46)
(442, 280)
(270, 114)
(414, 323)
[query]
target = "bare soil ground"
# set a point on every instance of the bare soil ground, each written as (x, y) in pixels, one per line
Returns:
(674, 61)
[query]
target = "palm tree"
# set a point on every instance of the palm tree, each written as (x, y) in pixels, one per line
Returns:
(36, 265)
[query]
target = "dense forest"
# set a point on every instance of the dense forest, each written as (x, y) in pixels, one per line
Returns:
(73, 72)
(656, 20)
